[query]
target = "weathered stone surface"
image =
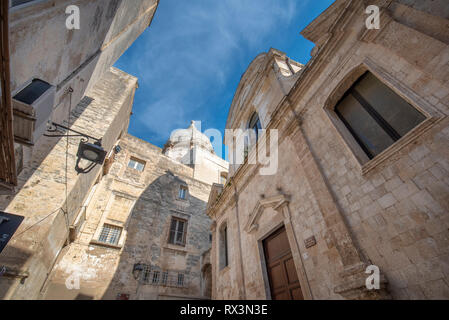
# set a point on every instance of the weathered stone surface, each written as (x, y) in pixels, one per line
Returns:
(391, 211)
(42, 199)
(142, 204)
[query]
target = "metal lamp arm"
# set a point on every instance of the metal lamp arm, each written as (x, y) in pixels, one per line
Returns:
(57, 125)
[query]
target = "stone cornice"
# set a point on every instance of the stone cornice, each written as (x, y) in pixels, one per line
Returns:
(327, 46)
(276, 203)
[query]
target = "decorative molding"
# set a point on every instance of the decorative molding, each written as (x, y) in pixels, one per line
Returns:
(276, 202)
(181, 214)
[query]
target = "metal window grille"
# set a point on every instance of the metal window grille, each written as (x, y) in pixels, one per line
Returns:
(146, 273)
(178, 232)
(164, 278)
(155, 276)
(110, 234)
(180, 279)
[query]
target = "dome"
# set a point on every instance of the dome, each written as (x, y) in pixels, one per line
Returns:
(182, 141)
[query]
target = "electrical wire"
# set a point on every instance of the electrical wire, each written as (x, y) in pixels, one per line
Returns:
(70, 90)
(35, 224)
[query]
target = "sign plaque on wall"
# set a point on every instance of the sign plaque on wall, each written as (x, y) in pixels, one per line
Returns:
(310, 242)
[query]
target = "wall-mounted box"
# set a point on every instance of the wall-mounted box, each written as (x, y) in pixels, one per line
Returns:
(33, 107)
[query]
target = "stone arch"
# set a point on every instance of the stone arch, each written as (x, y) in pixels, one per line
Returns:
(206, 280)
(243, 88)
(344, 85)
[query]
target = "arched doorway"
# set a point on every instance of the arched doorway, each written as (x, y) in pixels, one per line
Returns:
(206, 281)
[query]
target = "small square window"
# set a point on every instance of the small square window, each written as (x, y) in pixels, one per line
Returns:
(182, 192)
(136, 164)
(110, 234)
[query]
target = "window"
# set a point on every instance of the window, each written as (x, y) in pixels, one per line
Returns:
(180, 280)
(15, 3)
(255, 125)
(182, 192)
(224, 254)
(375, 115)
(223, 178)
(178, 230)
(146, 273)
(136, 164)
(110, 234)
(165, 278)
(155, 277)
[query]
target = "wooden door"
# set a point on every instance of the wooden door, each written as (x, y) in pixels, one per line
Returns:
(284, 282)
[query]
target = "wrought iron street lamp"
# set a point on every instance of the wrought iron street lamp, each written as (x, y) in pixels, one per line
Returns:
(92, 152)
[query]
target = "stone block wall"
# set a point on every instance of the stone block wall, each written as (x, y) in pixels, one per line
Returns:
(142, 204)
(392, 211)
(41, 198)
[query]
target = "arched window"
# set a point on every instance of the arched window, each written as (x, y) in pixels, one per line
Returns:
(375, 115)
(255, 125)
(223, 247)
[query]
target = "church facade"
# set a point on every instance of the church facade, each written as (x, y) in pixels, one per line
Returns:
(362, 180)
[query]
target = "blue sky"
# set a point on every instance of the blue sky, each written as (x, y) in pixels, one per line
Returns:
(189, 62)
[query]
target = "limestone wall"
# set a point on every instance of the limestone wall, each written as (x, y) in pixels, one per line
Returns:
(42, 47)
(391, 211)
(41, 198)
(143, 204)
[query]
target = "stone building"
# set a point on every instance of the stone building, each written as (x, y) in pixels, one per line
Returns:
(146, 234)
(63, 76)
(363, 163)
(41, 49)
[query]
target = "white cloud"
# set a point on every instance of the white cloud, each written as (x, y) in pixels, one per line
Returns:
(190, 50)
